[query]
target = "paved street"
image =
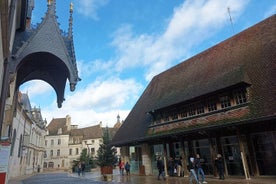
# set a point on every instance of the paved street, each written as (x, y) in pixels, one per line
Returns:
(55, 178)
(95, 178)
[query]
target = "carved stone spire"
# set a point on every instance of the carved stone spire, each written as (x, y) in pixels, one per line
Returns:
(70, 29)
(50, 54)
(51, 7)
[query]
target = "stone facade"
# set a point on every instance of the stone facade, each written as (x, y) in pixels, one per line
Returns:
(23, 57)
(65, 142)
(28, 131)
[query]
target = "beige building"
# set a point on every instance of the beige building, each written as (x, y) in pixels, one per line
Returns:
(64, 142)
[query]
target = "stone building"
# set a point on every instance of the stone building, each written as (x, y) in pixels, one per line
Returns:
(220, 101)
(64, 142)
(27, 145)
(30, 52)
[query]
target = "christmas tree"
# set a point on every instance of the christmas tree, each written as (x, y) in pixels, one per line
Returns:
(106, 153)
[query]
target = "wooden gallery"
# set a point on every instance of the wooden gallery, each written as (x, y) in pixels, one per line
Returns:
(220, 101)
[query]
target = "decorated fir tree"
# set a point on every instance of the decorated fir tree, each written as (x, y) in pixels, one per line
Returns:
(106, 153)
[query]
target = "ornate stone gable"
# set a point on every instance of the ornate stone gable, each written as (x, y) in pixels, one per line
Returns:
(46, 53)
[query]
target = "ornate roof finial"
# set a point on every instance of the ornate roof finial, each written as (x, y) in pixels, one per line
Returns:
(51, 7)
(49, 2)
(118, 118)
(71, 7)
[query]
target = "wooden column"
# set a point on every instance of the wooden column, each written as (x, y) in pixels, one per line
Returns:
(220, 151)
(125, 153)
(252, 157)
(184, 159)
(191, 150)
(212, 147)
(171, 150)
(243, 155)
(165, 159)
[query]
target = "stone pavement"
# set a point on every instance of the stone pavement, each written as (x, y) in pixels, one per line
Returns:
(96, 178)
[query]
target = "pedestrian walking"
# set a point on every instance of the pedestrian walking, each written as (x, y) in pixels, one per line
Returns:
(192, 175)
(171, 166)
(83, 168)
(127, 168)
(199, 169)
(122, 167)
(79, 168)
(220, 166)
(161, 168)
(179, 166)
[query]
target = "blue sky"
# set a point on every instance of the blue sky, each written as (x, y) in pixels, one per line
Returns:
(121, 44)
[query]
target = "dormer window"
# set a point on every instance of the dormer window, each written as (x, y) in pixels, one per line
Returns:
(183, 112)
(212, 105)
(59, 131)
(166, 117)
(225, 102)
(192, 110)
(240, 96)
(174, 116)
(200, 108)
(232, 98)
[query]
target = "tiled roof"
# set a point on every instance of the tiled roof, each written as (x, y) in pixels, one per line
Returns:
(25, 101)
(92, 132)
(56, 124)
(248, 57)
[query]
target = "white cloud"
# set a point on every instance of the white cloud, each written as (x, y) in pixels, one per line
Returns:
(104, 95)
(99, 101)
(89, 8)
(87, 68)
(87, 117)
(191, 24)
(107, 95)
(36, 88)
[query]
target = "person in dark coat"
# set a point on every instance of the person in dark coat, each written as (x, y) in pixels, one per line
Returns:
(220, 166)
(161, 168)
(171, 166)
(82, 168)
(127, 168)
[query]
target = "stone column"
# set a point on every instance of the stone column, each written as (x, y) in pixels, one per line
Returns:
(125, 153)
(146, 159)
